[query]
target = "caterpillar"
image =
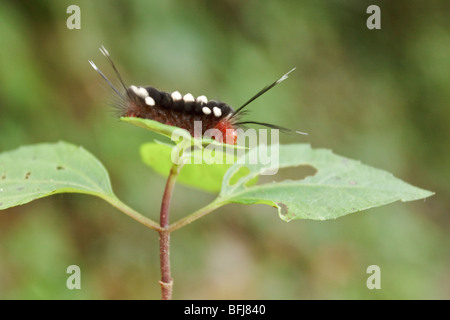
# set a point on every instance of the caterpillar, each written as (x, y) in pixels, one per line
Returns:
(182, 111)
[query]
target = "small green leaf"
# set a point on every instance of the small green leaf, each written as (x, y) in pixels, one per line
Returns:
(178, 135)
(36, 171)
(340, 186)
(156, 126)
(204, 176)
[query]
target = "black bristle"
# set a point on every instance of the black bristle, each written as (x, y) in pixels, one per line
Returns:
(261, 92)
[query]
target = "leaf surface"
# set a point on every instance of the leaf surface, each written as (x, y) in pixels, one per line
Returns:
(36, 171)
(340, 186)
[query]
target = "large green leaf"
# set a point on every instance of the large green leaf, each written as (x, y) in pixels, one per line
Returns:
(340, 186)
(36, 171)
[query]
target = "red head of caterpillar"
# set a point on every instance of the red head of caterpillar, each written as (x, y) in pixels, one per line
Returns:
(182, 111)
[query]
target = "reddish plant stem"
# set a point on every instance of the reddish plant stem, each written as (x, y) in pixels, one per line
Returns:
(164, 235)
(166, 281)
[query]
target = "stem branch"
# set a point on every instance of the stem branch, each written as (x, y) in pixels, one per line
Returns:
(195, 215)
(115, 202)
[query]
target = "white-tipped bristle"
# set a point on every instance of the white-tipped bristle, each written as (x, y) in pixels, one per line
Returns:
(304, 133)
(104, 51)
(93, 65)
(284, 77)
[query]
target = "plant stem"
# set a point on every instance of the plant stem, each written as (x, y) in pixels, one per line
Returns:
(195, 215)
(164, 235)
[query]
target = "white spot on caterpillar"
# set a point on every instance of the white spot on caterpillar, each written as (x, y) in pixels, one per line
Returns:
(206, 110)
(176, 96)
(149, 101)
(217, 112)
(188, 98)
(134, 89)
(202, 99)
(142, 92)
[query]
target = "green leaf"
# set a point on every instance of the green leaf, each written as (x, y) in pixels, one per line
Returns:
(156, 126)
(340, 186)
(203, 176)
(36, 171)
(178, 135)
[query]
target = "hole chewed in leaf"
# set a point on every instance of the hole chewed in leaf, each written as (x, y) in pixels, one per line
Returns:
(291, 173)
(337, 187)
(283, 207)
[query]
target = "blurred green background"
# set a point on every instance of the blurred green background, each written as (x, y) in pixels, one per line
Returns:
(379, 96)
